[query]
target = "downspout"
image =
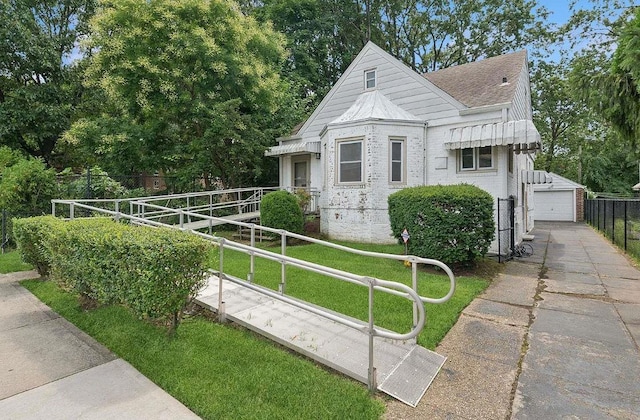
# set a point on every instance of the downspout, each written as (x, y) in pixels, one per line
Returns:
(424, 154)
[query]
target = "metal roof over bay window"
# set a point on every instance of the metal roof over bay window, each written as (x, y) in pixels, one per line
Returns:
(522, 134)
(291, 148)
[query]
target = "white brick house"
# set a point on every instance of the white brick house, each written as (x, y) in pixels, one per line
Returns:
(384, 127)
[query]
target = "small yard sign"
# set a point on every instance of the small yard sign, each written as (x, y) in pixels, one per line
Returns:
(405, 238)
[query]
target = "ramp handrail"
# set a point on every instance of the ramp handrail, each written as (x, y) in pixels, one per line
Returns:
(386, 286)
(414, 260)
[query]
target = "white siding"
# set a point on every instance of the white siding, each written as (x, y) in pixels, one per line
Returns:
(399, 83)
(521, 106)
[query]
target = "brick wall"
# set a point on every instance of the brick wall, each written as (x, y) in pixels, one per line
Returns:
(579, 205)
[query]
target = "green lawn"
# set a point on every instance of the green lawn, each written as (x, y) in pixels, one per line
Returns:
(11, 262)
(391, 312)
(218, 371)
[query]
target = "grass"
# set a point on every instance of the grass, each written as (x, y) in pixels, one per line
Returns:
(216, 370)
(11, 262)
(391, 312)
(220, 371)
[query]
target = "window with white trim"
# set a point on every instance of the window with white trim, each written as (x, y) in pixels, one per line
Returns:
(349, 161)
(476, 158)
(396, 160)
(370, 79)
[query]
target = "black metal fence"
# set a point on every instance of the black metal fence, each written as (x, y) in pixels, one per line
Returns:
(506, 228)
(618, 220)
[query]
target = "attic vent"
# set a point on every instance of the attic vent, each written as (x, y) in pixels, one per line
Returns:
(504, 81)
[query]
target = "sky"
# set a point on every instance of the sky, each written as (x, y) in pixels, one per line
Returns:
(560, 14)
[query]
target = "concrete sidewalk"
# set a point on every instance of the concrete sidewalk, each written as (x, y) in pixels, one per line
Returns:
(50, 369)
(555, 336)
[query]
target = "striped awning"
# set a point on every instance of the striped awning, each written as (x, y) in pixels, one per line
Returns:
(291, 148)
(536, 177)
(522, 134)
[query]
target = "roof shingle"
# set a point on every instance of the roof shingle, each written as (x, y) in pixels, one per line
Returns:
(481, 83)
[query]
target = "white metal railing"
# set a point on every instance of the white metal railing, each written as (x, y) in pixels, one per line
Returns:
(149, 214)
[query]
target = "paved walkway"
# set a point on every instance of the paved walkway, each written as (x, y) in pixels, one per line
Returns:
(49, 369)
(555, 336)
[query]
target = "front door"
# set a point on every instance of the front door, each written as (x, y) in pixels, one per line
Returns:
(301, 173)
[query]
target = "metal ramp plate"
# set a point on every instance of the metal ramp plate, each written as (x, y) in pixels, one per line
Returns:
(410, 379)
(403, 369)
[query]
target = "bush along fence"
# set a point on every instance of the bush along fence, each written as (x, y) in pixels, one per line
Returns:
(6, 223)
(618, 220)
(154, 272)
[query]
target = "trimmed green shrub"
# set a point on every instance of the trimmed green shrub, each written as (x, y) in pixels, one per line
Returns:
(155, 272)
(280, 210)
(27, 187)
(30, 235)
(450, 223)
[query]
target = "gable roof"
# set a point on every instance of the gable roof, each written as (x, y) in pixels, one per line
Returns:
(402, 71)
(560, 182)
(374, 105)
(481, 83)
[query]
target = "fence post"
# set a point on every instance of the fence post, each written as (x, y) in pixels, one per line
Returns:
(252, 254)
(88, 192)
(613, 221)
(625, 224)
(221, 310)
(117, 210)
(283, 268)
(4, 229)
(499, 235)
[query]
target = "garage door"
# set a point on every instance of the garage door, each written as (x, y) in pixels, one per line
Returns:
(554, 205)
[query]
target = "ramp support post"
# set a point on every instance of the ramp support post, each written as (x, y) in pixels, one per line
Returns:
(372, 370)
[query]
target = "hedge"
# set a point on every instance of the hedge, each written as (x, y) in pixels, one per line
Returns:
(452, 223)
(281, 210)
(31, 234)
(155, 272)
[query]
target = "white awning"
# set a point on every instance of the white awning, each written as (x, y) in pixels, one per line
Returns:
(297, 147)
(522, 134)
(536, 177)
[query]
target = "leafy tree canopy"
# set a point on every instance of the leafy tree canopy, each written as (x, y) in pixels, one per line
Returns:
(191, 87)
(325, 35)
(38, 86)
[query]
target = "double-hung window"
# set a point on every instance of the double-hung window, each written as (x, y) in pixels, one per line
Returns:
(476, 158)
(349, 161)
(396, 160)
(370, 79)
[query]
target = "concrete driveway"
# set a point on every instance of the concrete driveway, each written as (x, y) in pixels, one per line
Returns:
(555, 336)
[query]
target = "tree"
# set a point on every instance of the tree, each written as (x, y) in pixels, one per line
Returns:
(615, 93)
(39, 85)
(429, 35)
(190, 87)
(27, 187)
(323, 37)
(561, 120)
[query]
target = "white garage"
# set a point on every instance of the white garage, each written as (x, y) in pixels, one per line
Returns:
(561, 200)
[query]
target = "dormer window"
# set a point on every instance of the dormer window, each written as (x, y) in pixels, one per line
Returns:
(370, 79)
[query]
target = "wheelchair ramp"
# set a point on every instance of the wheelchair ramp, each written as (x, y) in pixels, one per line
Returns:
(413, 375)
(404, 369)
